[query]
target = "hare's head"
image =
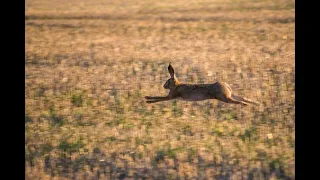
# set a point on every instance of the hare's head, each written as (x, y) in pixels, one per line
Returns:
(173, 81)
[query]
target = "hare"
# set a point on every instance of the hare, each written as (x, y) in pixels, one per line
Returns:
(198, 92)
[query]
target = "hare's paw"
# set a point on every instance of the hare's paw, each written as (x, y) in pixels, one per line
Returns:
(245, 104)
(150, 102)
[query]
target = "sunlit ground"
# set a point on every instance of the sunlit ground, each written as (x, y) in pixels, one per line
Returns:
(89, 65)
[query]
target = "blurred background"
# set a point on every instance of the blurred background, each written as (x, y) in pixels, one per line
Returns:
(89, 64)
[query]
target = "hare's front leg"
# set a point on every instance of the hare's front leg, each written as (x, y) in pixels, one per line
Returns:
(154, 99)
(170, 96)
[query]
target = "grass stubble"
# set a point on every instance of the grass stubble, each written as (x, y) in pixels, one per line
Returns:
(89, 64)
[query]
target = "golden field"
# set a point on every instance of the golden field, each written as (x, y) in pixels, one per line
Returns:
(89, 64)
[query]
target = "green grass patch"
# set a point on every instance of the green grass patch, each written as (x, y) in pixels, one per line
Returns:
(27, 118)
(77, 100)
(46, 148)
(249, 134)
(70, 147)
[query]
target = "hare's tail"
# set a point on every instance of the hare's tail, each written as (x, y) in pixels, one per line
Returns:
(245, 99)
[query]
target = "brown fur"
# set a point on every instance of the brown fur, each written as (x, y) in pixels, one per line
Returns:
(198, 92)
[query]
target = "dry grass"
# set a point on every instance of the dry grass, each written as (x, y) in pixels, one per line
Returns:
(89, 65)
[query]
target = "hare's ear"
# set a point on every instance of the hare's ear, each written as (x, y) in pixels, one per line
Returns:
(171, 71)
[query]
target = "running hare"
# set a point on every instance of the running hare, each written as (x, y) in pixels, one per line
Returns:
(198, 92)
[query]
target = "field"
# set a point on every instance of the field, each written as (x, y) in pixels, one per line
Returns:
(89, 64)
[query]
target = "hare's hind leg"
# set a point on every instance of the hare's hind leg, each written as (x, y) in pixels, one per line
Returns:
(231, 100)
(244, 100)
